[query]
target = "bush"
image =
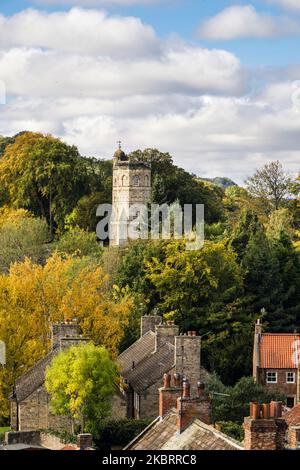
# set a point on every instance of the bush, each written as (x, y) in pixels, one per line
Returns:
(2, 433)
(233, 430)
(118, 433)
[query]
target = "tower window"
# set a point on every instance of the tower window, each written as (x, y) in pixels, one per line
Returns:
(147, 180)
(136, 180)
(123, 180)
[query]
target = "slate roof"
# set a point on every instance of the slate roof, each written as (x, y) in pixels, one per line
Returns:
(34, 377)
(151, 368)
(279, 350)
(163, 435)
(136, 352)
(292, 417)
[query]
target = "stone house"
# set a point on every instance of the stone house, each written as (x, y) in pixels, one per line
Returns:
(183, 423)
(160, 349)
(30, 402)
(276, 362)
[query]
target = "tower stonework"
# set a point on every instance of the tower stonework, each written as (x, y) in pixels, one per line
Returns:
(131, 185)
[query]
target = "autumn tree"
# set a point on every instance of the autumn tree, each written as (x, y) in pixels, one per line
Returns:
(270, 184)
(81, 381)
(43, 174)
(33, 296)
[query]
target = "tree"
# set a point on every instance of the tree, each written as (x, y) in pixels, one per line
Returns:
(43, 174)
(270, 184)
(77, 241)
(32, 297)
(233, 402)
(81, 381)
(21, 236)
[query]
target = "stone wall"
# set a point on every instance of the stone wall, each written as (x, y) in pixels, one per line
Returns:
(35, 413)
(119, 405)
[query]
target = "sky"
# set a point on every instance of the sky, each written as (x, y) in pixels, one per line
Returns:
(216, 83)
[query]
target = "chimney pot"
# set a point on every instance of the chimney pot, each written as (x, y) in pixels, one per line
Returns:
(186, 389)
(84, 441)
(194, 333)
(177, 380)
(167, 380)
(170, 323)
(201, 388)
(266, 410)
(190, 333)
(255, 410)
(276, 409)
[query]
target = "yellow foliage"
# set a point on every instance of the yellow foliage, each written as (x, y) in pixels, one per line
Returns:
(34, 296)
(12, 216)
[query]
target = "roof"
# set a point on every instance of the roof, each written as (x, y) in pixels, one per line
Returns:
(163, 435)
(292, 417)
(34, 377)
(136, 352)
(151, 368)
(279, 350)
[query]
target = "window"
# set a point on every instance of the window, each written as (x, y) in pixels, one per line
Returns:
(290, 377)
(123, 180)
(290, 402)
(136, 180)
(271, 377)
(146, 180)
(136, 404)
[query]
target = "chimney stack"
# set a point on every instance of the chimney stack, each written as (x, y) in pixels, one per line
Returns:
(190, 408)
(165, 333)
(294, 437)
(67, 329)
(149, 322)
(168, 395)
(187, 358)
(265, 428)
(84, 441)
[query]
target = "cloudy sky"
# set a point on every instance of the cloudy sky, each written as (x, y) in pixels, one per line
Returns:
(214, 82)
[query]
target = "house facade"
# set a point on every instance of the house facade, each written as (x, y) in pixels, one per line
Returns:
(30, 402)
(159, 350)
(276, 362)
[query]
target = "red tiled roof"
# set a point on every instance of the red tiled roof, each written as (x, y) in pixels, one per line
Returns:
(279, 350)
(292, 417)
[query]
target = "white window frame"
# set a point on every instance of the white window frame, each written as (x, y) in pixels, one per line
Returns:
(290, 381)
(271, 381)
(136, 402)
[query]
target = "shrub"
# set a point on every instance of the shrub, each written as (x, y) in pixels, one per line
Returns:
(119, 432)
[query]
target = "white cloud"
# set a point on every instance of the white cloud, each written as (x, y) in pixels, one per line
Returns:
(169, 94)
(288, 4)
(79, 31)
(245, 22)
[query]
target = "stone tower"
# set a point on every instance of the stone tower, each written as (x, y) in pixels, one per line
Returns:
(131, 185)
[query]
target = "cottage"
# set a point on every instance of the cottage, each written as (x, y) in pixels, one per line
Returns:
(159, 350)
(30, 402)
(276, 362)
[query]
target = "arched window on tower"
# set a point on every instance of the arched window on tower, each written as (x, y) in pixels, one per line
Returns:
(136, 180)
(123, 180)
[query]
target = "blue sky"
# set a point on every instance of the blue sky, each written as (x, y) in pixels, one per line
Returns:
(214, 82)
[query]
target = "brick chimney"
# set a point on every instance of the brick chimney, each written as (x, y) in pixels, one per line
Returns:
(165, 333)
(84, 441)
(265, 428)
(63, 330)
(65, 335)
(149, 322)
(168, 394)
(190, 408)
(294, 437)
(187, 358)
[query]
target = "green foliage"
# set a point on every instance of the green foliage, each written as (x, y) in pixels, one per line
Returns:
(231, 403)
(26, 237)
(79, 242)
(3, 430)
(118, 432)
(65, 436)
(234, 430)
(81, 381)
